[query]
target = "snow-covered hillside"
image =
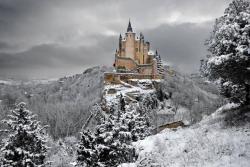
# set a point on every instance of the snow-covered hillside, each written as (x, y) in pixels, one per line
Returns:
(139, 88)
(192, 93)
(135, 91)
(63, 104)
(212, 142)
(66, 104)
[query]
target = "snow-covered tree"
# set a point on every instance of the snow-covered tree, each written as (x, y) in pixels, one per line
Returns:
(113, 141)
(137, 122)
(229, 45)
(149, 106)
(86, 153)
(122, 103)
(25, 146)
(110, 145)
(160, 67)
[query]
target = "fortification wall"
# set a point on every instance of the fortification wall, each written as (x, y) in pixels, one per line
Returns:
(146, 70)
(115, 78)
(128, 63)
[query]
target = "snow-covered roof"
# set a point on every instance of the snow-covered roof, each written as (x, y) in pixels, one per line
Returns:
(151, 52)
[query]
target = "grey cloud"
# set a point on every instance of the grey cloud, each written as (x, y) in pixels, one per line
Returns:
(61, 37)
(4, 45)
(51, 58)
(181, 45)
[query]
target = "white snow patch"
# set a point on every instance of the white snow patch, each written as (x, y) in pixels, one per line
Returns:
(123, 89)
(227, 107)
(128, 165)
(217, 60)
(207, 143)
(151, 53)
(6, 82)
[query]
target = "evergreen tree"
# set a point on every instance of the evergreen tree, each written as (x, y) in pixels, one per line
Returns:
(122, 103)
(137, 122)
(229, 62)
(161, 95)
(109, 146)
(86, 153)
(111, 142)
(25, 146)
(114, 142)
(160, 67)
(141, 128)
(149, 106)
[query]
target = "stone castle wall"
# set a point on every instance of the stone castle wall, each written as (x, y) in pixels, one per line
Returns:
(132, 66)
(128, 63)
(115, 78)
(130, 45)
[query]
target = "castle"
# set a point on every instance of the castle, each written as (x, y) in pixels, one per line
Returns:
(134, 59)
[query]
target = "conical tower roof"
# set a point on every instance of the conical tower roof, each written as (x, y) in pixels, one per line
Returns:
(129, 29)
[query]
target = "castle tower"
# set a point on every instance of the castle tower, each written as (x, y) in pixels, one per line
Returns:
(130, 42)
(141, 48)
(134, 55)
(120, 43)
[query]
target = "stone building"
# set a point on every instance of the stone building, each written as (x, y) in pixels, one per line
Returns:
(134, 56)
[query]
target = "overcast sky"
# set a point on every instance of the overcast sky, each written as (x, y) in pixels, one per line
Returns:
(53, 38)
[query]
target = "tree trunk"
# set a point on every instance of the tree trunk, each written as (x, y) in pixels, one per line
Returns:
(247, 94)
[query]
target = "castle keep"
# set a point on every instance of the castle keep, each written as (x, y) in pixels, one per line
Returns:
(134, 59)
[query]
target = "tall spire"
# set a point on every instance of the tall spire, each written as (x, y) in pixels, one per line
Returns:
(141, 35)
(120, 43)
(129, 29)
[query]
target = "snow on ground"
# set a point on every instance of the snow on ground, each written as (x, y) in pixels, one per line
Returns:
(123, 89)
(146, 80)
(165, 115)
(208, 143)
(35, 81)
(170, 114)
(128, 165)
(5, 82)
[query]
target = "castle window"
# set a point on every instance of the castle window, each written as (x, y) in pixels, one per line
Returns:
(136, 49)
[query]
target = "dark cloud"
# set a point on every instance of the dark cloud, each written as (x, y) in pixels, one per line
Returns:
(4, 45)
(181, 45)
(50, 60)
(52, 38)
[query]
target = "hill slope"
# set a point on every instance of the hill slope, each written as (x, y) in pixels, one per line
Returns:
(212, 142)
(192, 94)
(63, 104)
